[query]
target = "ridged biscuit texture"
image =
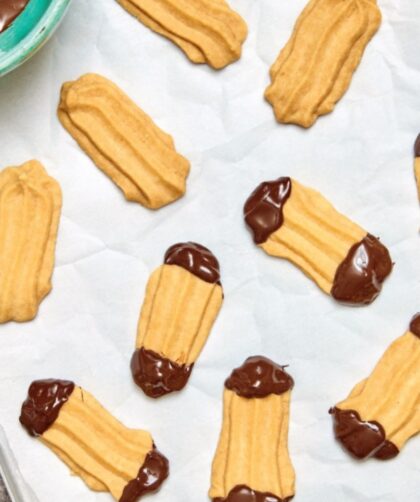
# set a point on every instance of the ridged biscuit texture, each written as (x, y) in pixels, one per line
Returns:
(383, 411)
(208, 31)
(252, 459)
(123, 141)
(289, 220)
(315, 68)
(183, 298)
(417, 163)
(108, 456)
(30, 208)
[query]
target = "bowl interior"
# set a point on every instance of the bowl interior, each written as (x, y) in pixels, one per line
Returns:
(24, 24)
(28, 31)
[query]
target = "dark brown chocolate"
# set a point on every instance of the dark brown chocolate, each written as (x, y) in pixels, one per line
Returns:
(417, 147)
(9, 11)
(43, 404)
(156, 375)
(263, 210)
(195, 258)
(152, 474)
(259, 377)
(359, 277)
(362, 439)
(415, 325)
(243, 493)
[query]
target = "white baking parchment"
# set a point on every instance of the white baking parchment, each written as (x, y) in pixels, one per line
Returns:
(360, 157)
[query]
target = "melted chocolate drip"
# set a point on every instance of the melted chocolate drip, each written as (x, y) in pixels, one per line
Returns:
(359, 277)
(243, 493)
(152, 474)
(415, 325)
(264, 208)
(259, 377)
(9, 11)
(362, 439)
(43, 404)
(417, 147)
(156, 375)
(195, 258)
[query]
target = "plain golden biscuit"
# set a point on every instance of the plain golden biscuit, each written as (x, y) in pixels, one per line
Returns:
(208, 31)
(123, 141)
(183, 298)
(315, 68)
(417, 162)
(252, 459)
(383, 411)
(30, 208)
(108, 456)
(289, 220)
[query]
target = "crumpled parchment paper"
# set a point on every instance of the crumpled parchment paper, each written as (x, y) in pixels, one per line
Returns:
(360, 157)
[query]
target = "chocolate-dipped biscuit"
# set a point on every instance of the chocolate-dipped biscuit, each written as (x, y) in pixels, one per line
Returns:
(383, 411)
(92, 442)
(252, 460)
(183, 298)
(289, 220)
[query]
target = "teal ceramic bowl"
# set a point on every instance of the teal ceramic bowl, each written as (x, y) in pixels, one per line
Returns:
(29, 32)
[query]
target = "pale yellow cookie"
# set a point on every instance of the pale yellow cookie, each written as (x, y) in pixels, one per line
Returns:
(291, 221)
(103, 452)
(252, 458)
(183, 298)
(123, 141)
(30, 208)
(315, 68)
(383, 411)
(208, 31)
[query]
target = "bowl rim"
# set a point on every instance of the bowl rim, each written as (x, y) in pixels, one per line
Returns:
(39, 34)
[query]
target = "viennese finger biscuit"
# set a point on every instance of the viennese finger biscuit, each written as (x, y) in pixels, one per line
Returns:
(295, 222)
(417, 162)
(315, 68)
(252, 459)
(123, 141)
(383, 411)
(208, 31)
(183, 298)
(95, 446)
(30, 207)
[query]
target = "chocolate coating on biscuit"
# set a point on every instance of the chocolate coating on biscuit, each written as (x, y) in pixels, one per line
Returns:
(9, 11)
(362, 439)
(152, 474)
(195, 258)
(263, 210)
(243, 493)
(417, 147)
(415, 325)
(259, 377)
(43, 404)
(156, 375)
(359, 277)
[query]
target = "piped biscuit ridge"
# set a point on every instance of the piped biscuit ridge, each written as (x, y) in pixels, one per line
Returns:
(30, 208)
(208, 31)
(316, 66)
(123, 141)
